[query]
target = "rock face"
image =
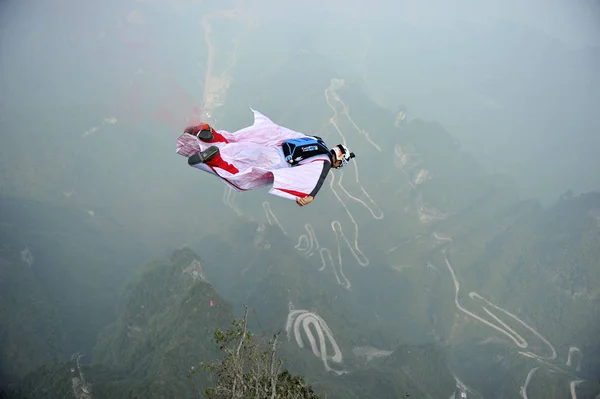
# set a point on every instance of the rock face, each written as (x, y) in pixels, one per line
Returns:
(165, 326)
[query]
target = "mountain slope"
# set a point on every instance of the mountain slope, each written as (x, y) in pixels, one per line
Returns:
(60, 270)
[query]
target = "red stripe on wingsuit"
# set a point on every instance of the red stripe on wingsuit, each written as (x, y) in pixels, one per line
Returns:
(230, 182)
(218, 137)
(293, 192)
(218, 162)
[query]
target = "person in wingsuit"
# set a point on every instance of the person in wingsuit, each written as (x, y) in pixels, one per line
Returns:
(263, 154)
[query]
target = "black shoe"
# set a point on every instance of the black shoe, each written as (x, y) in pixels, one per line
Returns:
(203, 156)
(205, 135)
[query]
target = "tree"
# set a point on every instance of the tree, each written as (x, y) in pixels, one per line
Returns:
(251, 368)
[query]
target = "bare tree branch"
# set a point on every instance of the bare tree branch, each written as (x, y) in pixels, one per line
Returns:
(238, 368)
(245, 330)
(273, 373)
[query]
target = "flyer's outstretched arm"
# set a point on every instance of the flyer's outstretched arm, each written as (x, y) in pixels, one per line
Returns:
(300, 181)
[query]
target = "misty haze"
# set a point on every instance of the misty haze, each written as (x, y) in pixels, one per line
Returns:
(456, 256)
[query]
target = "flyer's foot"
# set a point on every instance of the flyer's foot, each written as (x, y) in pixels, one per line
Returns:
(203, 131)
(205, 135)
(204, 156)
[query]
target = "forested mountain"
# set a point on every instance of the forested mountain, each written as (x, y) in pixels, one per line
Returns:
(415, 272)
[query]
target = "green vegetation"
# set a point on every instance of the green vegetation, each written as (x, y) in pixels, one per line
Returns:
(250, 368)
